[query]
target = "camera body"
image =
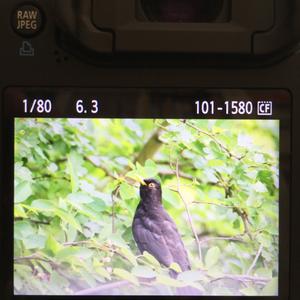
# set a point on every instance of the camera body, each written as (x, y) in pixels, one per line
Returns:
(236, 45)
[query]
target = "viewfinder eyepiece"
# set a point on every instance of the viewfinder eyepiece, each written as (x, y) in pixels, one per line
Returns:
(185, 11)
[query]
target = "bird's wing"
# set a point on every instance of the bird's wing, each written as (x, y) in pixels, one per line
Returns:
(175, 244)
(150, 238)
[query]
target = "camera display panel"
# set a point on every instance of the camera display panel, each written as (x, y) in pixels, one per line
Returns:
(138, 191)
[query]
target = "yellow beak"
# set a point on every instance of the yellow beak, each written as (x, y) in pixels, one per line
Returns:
(141, 181)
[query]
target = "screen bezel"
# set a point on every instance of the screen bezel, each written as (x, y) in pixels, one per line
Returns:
(284, 213)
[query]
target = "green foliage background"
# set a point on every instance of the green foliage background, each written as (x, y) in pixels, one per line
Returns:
(76, 190)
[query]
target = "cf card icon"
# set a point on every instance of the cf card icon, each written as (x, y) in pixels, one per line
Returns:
(265, 108)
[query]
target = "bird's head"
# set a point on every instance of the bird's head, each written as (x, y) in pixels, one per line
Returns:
(150, 190)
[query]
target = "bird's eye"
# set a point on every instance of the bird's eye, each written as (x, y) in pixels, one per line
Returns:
(151, 185)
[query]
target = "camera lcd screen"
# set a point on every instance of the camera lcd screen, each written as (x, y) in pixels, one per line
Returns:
(147, 191)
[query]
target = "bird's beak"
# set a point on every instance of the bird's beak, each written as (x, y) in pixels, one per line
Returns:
(142, 182)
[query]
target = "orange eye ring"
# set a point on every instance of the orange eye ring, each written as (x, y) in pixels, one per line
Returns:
(151, 185)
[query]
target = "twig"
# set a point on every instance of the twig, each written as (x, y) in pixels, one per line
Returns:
(189, 177)
(243, 215)
(213, 203)
(255, 259)
(78, 243)
(220, 238)
(188, 212)
(33, 221)
(113, 194)
(49, 176)
(244, 278)
(36, 256)
(30, 257)
(211, 136)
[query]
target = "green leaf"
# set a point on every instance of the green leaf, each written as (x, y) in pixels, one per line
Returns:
(52, 245)
(58, 280)
(244, 141)
(18, 282)
(117, 240)
(151, 259)
(128, 254)
(98, 205)
(150, 169)
(135, 175)
(259, 187)
(123, 274)
(80, 198)
(166, 280)
(131, 165)
(66, 217)
(237, 224)
(214, 272)
(191, 276)
(52, 168)
(271, 289)
(174, 266)
(143, 272)
(250, 291)
(71, 233)
(170, 197)
(212, 256)
(22, 173)
(73, 165)
(88, 278)
(83, 209)
(263, 272)
(35, 241)
(79, 252)
(264, 239)
(254, 201)
(127, 191)
(23, 191)
(99, 269)
(43, 205)
(19, 212)
(216, 163)
(102, 272)
(23, 229)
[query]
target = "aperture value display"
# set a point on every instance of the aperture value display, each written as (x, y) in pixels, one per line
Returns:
(104, 184)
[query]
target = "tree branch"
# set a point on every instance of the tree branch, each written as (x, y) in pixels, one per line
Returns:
(36, 256)
(213, 203)
(189, 177)
(211, 136)
(255, 260)
(150, 148)
(32, 221)
(113, 195)
(220, 238)
(188, 211)
(244, 278)
(244, 216)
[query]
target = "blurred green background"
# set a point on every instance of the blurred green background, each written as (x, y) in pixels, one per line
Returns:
(76, 191)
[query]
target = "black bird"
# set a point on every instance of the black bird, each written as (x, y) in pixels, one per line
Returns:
(154, 230)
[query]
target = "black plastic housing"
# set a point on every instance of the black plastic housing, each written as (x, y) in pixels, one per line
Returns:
(252, 27)
(76, 47)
